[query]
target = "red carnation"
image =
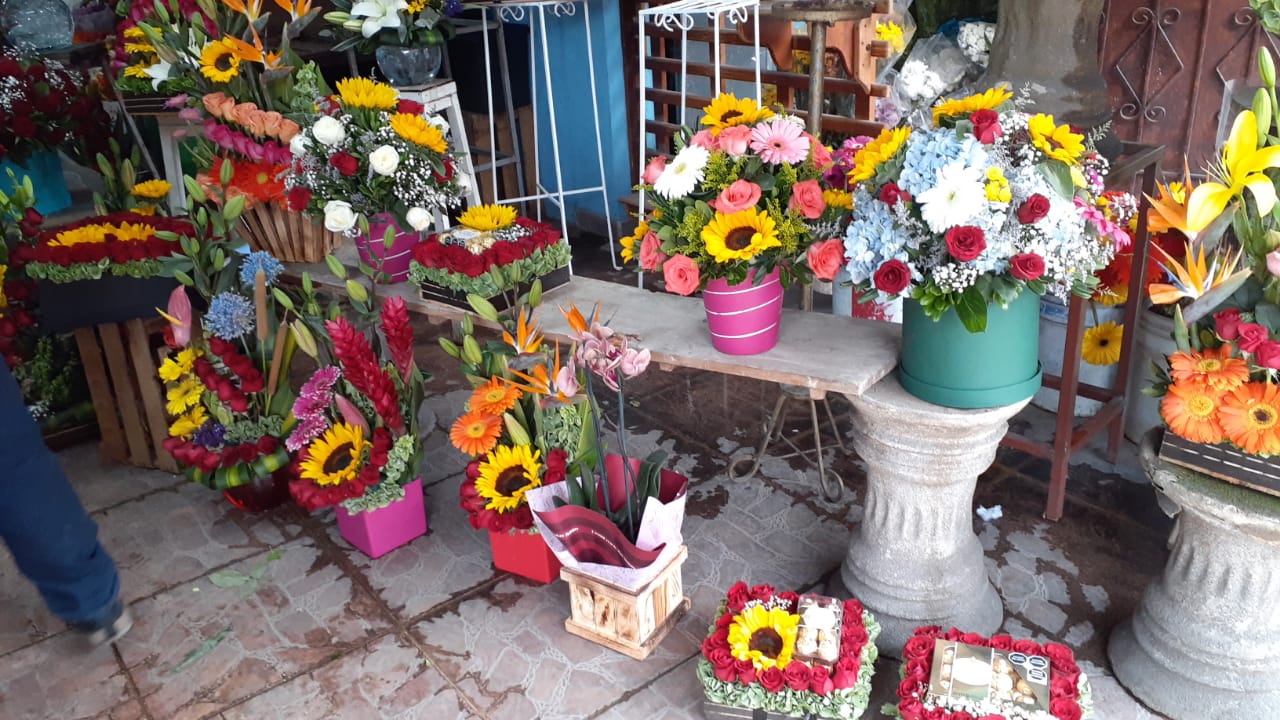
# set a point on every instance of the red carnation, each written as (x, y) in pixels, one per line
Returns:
(966, 242)
(1033, 209)
(1026, 266)
(345, 163)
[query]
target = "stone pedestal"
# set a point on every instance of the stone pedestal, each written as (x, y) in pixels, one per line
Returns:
(1204, 641)
(915, 559)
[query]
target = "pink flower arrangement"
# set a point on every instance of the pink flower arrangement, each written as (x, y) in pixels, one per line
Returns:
(780, 141)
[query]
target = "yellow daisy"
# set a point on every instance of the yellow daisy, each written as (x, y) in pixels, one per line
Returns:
(506, 475)
(966, 106)
(740, 236)
(152, 189)
(877, 152)
(891, 32)
(182, 396)
(187, 425)
(418, 131)
(487, 218)
(219, 61)
(765, 637)
(1102, 344)
(334, 457)
(727, 110)
(1056, 141)
(369, 94)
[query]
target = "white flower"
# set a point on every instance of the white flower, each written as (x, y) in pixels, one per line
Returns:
(440, 124)
(328, 131)
(298, 145)
(464, 182)
(384, 160)
(338, 216)
(957, 195)
(419, 219)
(377, 14)
(684, 173)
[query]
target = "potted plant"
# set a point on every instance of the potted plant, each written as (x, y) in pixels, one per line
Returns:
(406, 37)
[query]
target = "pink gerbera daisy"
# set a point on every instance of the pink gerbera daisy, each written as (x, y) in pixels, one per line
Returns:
(779, 141)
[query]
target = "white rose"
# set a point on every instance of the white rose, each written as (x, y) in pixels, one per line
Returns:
(384, 160)
(419, 219)
(298, 145)
(328, 131)
(463, 180)
(338, 216)
(439, 123)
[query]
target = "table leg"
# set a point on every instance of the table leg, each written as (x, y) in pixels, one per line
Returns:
(915, 559)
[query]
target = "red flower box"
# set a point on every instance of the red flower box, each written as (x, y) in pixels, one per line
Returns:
(524, 554)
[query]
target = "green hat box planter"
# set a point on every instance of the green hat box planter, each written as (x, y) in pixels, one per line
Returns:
(945, 364)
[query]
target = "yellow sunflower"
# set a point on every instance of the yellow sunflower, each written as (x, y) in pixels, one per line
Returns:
(727, 110)
(334, 457)
(187, 425)
(362, 92)
(766, 637)
(1056, 141)
(487, 218)
(152, 189)
(182, 396)
(966, 106)
(1102, 344)
(418, 131)
(475, 433)
(219, 61)
(838, 199)
(740, 236)
(506, 475)
(138, 71)
(877, 152)
(495, 397)
(631, 243)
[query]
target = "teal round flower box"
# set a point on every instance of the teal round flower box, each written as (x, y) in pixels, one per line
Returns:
(45, 170)
(945, 364)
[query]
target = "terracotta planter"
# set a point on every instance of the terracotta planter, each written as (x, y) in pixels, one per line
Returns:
(378, 532)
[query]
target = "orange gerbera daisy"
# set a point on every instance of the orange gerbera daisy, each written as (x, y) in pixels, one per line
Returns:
(1191, 410)
(495, 397)
(476, 433)
(1212, 367)
(1251, 418)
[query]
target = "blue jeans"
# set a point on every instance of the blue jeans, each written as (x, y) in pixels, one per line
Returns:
(52, 538)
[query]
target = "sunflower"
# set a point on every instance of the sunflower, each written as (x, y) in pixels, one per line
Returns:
(966, 106)
(362, 92)
(766, 637)
(740, 236)
(183, 396)
(494, 397)
(727, 110)
(1251, 418)
(487, 218)
(1102, 344)
(630, 242)
(1056, 141)
(138, 71)
(219, 61)
(1192, 412)
(152, 189)
(1214, 368)
(335, 457)
(476, 433)
(506, 475)
(186, 425)
(418, 131)
(877, 152)
(839, 199)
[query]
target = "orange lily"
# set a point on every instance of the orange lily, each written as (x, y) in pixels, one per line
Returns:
(1171, 205)
(528, 338)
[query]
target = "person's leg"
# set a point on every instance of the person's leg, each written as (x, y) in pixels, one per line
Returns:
(53, 540)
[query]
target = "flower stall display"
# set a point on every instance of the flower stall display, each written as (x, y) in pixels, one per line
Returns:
(788, 655)
(492, 253)
(961, 676)
(968, 220)
(732, 216)
(405, 38)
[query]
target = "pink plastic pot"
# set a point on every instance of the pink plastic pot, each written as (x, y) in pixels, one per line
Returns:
(396, 259)
(744, 318)
(378, 532)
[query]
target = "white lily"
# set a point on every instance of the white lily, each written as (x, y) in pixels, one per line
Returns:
(374, 15)
(159, 72)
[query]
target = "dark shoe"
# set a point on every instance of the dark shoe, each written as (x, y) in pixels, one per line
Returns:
(106, 632)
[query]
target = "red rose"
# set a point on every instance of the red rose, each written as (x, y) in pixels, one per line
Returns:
(911, 709)
(772, 680)
(9, 67)
(1026, 266)
(345, 163)
(892, 277)
(986, 126)
(918, 647)
(845, 674)
(738, 596)
(1002, 642)
(917, 670)
(1027, 647)
(854, 634)
(410, 107)
(1227, 324)
(891, 194)
(966, 242)
(797, 675)
(1061, 659)
(23, 127)
(746, 671)
(1250, 336)
(933, 632)
(1033, 209)
(935, 714)
(556, 467)
(1064, 686)
(820, 681)
(8, 328)
(960, 715)
(521, 517)
(852, 610)
(952, 635)
(973, 638)
(762, 592)
(447, 176)
(723, 664)
(725, 621)
(505, 253)
(299, 198)
(1065, 709)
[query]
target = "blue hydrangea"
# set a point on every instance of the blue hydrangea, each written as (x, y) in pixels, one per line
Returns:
(872, 237)
(264, 261)
(927, 151)
(230, 316)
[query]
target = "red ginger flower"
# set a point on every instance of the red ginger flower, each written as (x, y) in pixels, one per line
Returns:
(399, 334)
(360, 367)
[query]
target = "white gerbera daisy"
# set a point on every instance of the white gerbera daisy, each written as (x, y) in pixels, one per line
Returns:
(957, 195)
(684, 173)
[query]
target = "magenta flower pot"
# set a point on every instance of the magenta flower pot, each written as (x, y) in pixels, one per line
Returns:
(744, 318)
(396, 259)
(378, 532)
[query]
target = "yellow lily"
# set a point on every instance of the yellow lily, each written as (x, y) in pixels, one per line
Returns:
(1196, 276)
(1242, 166)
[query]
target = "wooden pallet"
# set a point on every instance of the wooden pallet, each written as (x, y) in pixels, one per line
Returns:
(630, 622)
(120, 363)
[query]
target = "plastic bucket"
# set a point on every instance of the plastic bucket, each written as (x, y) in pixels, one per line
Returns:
(1053, 341)
(743, 319)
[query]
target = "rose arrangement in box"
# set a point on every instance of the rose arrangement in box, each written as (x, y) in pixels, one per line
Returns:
(749, 658)
(739, 195)
(124, 244)
(1070, 697)
(45, 107)
(988, 202)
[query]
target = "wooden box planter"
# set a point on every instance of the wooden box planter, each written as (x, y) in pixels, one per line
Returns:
(120, 364)
(632, 623)
(431, 291)
(1224, 462)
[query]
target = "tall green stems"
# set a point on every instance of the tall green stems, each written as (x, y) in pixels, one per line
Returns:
(600, 465)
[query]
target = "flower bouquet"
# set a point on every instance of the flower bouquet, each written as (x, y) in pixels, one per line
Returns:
(1023, 679)
(788, 655)
(492, 253)
(969, 220)
(406, 38)
(732, 216)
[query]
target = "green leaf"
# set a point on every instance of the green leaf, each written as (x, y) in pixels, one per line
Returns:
(201, 650)
(228, 578)
(1058, 174)
(971, 308)
(1180, 333)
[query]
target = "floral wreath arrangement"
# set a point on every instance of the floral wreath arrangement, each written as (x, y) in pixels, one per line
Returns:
(987, 203)
(44, 106)
(491, 251)
(125, 244)
(789, 653)
(739, 196)
(1070, 696)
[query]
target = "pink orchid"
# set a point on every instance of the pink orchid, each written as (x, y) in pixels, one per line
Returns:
(567, 380)
(189, 114)
(633, 363)
(177, 101)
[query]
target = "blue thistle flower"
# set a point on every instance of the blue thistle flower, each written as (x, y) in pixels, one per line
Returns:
(230, 316)
(260, 260)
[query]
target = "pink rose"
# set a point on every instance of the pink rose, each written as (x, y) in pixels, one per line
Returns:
(826, 258)
(681, 275)
(1273, 262)
(821, 155)
(651, 255)
(1268, 354)
(741, 195)
(735, 140)
(1250, 336)
(806, 199)
(1227, 324)
(704, 139)
(654, 169)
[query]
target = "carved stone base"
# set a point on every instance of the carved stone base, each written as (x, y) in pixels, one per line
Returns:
(915, 560)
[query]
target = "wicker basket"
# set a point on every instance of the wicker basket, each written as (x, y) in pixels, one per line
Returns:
(289, 236)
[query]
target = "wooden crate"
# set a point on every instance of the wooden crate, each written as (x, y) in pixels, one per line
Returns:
(1223, 462)
(632, 623)
(477, 126)
(120, 363)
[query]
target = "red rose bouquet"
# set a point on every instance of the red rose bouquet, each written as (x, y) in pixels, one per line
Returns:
(43, 107)
(125, 244)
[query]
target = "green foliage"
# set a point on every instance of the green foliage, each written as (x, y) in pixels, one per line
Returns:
(646, 484)
(1268, 14)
